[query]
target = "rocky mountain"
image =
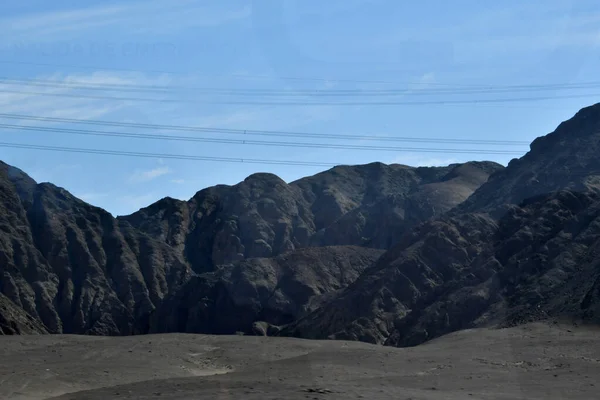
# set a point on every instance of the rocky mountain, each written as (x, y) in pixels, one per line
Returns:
(262, 293)
(15, 321)
(387, 254)
(523, 247)
(72, 267)
(69, 267)
(367, 205)
(564, 159)
(539, 261)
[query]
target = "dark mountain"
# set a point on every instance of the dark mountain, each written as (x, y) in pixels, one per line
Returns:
(542, 263)
(274, 291)
(523, 247)
(72, 267)
(66, 266)
(564, 159)
(15, 321)
(381, 253)
(366, 205)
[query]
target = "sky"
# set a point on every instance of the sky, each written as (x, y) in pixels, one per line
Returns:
(199, 63)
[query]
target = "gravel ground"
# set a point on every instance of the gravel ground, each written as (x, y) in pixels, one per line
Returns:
(538, 361)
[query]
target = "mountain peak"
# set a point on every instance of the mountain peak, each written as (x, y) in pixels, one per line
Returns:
(584, 125)
(15, 175)
(564, 159)
(23, 183)
(264, 177)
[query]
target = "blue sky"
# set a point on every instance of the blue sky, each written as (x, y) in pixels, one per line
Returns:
(292, 45)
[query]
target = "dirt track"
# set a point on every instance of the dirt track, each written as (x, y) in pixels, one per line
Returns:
(532, 362)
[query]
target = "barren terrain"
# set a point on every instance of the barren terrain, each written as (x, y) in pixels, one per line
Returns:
(536, 361)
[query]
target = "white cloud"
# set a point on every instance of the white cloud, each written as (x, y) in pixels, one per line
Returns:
(53, 173)
(171, 21)
(531, 28)
(420, 160)
(141, 17)
(91, 196)
(100, 78)
(58, 20)
(264, 118)
(58, 95)
(132, 203)
(425, 81)
(331, 8)
(435, 162)
(234, 119)
(140, 176)
(329, 84)
(525, 16)
(525, 43)
(178, 181)
(500, 30)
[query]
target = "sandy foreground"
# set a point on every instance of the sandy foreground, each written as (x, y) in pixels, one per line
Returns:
(533, 362)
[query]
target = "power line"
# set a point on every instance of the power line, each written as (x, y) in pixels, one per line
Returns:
(90, 67)
(234, 75)
(251, 132)
(308, 103)
(293, 78)
(83, 85)
(162, 155)
(256, 142)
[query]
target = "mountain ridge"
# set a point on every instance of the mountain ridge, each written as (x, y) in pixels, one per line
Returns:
(461, 270)
(386, 254)
(74, 268)
(264, 216)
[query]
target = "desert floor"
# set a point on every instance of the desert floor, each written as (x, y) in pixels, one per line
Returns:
(538, 361)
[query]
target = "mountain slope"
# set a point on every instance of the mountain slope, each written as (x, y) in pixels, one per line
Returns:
(267, 291)
(347, 205)
(69, 267)
(254, 257)
(564, 159)
(405, 278)
(73, 267)
(15, 321)
(518, 249)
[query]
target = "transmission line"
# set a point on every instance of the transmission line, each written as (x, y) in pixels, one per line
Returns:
(234, 75)
(83, 85)
(251, 132)
(255, 142)
(163, 155)
(291, 78)
(306, 103)
(261, 92)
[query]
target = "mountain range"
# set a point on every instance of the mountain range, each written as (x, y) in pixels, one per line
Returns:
(387, 254)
